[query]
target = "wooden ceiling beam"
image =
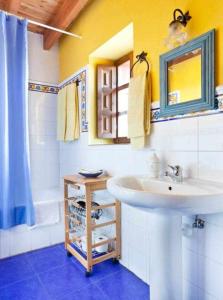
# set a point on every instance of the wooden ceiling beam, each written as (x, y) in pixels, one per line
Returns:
(67, 13)
(12, 6)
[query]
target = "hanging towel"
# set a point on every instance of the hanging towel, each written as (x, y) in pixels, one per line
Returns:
(68, 124)
(61, 114)
(139, 110)
(73, 124)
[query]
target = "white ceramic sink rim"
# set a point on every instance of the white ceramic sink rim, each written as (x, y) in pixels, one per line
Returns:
(193, 196)
(199, 185)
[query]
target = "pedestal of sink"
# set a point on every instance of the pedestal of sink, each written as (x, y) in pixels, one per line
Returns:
(166, 257)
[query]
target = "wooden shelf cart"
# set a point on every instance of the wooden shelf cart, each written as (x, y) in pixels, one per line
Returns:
(91, 185)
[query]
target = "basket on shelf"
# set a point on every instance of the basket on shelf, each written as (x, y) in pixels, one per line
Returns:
(78, 206)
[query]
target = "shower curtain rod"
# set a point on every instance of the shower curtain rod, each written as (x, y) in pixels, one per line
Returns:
(46, 26)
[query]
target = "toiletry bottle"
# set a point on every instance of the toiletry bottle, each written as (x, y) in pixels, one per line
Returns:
(154, 166)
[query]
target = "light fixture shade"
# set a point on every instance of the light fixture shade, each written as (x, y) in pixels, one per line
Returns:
(177, 35)
(177, 29)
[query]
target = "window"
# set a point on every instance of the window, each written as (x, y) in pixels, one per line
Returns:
(112, 99)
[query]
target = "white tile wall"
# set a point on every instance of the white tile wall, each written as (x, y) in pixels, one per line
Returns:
(211, 165)
(197, 145)
(43, 64)
(210, 274)
(190, 291)
(44, 150)
(211, 133)
(4, 243)
(19, 241)
(40, 237)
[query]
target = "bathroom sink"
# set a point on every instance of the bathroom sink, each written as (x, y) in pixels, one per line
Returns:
(192, 196)
(170, 201)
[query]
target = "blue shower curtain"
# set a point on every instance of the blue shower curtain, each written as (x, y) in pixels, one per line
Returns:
(16, 206)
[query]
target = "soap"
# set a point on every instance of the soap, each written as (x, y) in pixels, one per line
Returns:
(154, 166)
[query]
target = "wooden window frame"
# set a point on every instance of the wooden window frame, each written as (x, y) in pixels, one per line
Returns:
(106, 81)
(117, 63)
(108, 100)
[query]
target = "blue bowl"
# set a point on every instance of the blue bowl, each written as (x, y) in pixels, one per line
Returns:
(91, 175)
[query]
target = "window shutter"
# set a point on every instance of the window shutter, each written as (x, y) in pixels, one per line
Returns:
(106, 101)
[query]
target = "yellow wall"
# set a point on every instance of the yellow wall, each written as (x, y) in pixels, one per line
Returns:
(186, 74)
(104, 18)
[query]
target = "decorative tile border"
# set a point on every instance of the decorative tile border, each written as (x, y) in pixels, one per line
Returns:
(155, 112)
(43, 88)
(54, 89)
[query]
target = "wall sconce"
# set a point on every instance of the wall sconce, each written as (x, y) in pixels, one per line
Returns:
(177, 33)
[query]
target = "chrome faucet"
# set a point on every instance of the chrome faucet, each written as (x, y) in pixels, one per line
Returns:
(176, 174)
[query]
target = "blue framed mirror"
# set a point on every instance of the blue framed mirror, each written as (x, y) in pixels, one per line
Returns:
(187, 77)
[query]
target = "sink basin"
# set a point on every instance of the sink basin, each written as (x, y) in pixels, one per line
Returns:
(193, 196)
(171, 201)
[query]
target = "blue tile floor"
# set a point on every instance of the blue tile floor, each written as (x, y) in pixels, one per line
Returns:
(48, 274)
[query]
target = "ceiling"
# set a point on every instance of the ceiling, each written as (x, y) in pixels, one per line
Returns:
(57, 13)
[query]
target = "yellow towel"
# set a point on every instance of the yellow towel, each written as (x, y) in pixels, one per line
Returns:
(68, 124)
(61, 114)
(73, 124)
(139, 110)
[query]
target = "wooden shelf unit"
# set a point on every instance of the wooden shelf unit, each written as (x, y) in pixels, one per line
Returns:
(91, 185)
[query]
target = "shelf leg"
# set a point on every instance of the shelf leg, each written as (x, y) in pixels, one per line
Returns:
(88, 229)
(65, 214)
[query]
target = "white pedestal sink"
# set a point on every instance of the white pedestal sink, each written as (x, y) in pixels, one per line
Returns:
(169, 201)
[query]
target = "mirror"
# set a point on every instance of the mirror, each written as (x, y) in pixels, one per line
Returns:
(187, 77)
(184, 71)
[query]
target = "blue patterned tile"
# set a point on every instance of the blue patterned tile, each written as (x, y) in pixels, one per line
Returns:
(29, 289)
(14, 269)
(124, 285)
(63, 280)
(105, 269)
(47, 258)
(91, 292)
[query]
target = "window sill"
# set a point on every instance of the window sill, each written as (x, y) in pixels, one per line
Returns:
(121, 140)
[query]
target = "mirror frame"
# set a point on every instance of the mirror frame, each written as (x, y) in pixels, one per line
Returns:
(207, 44)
